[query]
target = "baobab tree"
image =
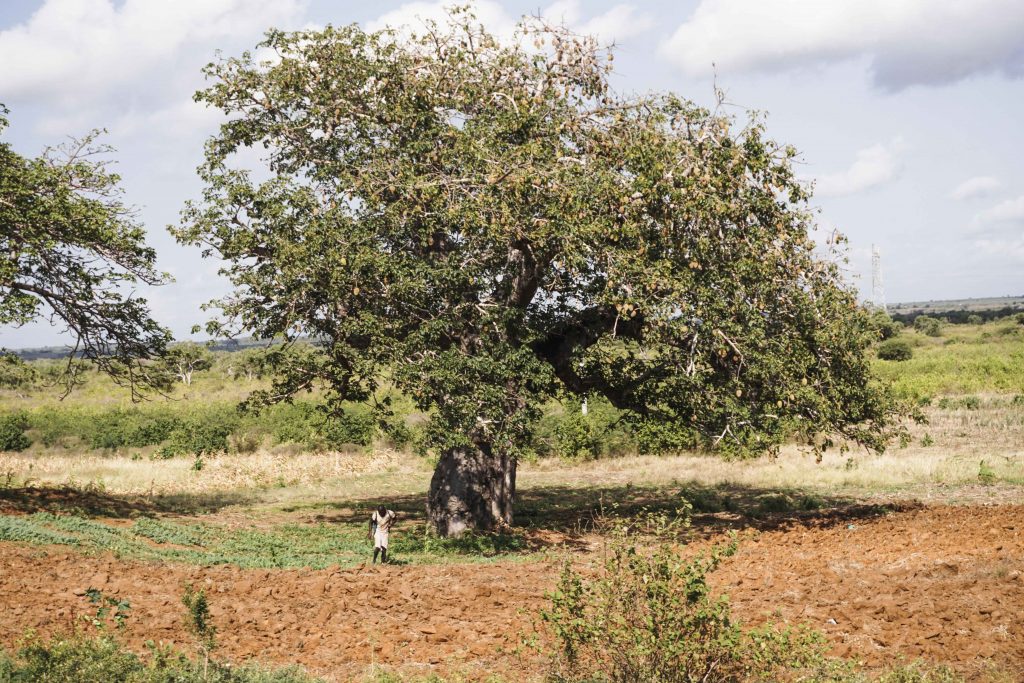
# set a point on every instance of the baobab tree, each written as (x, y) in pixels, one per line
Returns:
(493, 226)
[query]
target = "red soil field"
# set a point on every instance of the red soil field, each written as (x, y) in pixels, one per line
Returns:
(945, 584)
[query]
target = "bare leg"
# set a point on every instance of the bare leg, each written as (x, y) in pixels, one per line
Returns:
(383, 555)
(375, 551)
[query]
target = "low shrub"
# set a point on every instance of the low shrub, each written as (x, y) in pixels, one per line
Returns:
(201, 432)
(354, 427)
(103, 659)
(652, 617)
(567, 432)
(959, 402)
(928, 326)
(12, 432)
(884, 326)
(895, 349)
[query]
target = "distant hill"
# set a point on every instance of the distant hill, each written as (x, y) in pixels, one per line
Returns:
(957, 310)
(56, 352)
(972, 305)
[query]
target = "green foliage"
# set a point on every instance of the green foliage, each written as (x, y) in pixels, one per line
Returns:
(198, 610)
(895, 349)
(107, 607)
(12, 432)
(185, 358)
(133, 428)
(202, 432)
(14, 372)
(928, 326)
(986, 475)
(575, 436)
(105, 659)
(652, 617)
(70, 248)
(978, 365)
(959, 402)
(490, 226)
(286, 546)
(884, 326)
(920, 672)
(975, 319)
(660, 437)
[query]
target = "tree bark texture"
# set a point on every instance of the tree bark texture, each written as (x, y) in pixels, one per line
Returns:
(473, 487)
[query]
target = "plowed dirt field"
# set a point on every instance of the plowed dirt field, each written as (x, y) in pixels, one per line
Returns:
(945, 584)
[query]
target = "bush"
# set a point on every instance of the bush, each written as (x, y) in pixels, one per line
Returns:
(975, 319)
(12, 432)
(964, 402)
(895, 349)
(566, 432)
(884, 326)
(574, 435)
(133, 428)
(309, 425)
(354, 427)
(202, 432)
(652, 618)
(928, 326)
(103, 660)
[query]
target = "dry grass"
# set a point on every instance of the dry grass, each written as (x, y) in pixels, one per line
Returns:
(946, 452)
(124, 475)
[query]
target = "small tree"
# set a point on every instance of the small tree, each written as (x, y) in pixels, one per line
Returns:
(491, 225)
(186, 358)
(198, 624)
(15, 373)
(886, 327)
(251, 363)
(71, 249)
(928, 326)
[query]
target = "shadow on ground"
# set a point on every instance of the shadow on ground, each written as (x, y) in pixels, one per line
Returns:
(94, 502)
(561, 515)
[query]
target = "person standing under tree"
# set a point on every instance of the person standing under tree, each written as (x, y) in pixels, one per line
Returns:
(381, 522)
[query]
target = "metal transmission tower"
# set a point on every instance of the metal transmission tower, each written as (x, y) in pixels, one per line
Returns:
(877, 288)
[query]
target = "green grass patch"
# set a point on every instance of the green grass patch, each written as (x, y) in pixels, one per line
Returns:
(284, 546)
(969, 360)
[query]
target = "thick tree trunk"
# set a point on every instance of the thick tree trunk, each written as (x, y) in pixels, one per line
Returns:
(472, 488)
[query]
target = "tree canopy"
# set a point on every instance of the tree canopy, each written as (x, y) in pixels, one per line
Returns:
(491, 225)
(70, 249)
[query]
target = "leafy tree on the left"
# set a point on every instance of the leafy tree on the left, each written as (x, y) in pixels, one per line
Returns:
(72, 251)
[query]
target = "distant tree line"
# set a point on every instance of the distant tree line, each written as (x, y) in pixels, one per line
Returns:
(959, 316)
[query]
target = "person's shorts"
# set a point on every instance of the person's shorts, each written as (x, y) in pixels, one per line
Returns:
(380, 539)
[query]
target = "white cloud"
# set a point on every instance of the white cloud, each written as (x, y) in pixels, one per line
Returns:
(1008, 213)
(618, 23)
(1005, 250)
(415, 15)
(981, 186)
(906, 42)
(72, 52)
(872, 167)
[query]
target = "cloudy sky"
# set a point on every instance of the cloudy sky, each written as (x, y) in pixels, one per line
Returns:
(907, 113)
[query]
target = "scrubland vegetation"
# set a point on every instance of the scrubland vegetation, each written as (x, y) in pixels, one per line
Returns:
(197, 481)
(586, 328)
